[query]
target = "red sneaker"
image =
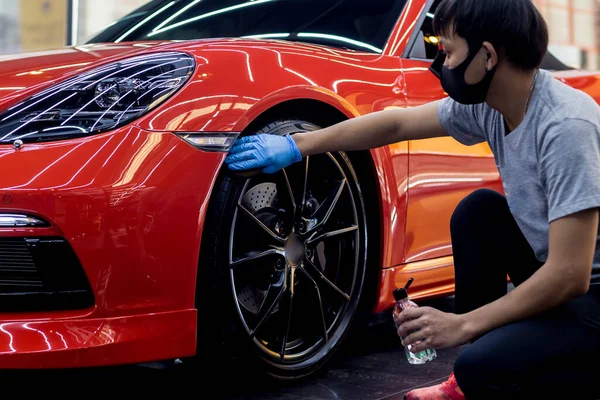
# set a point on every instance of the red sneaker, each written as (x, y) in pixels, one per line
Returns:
(448, 390)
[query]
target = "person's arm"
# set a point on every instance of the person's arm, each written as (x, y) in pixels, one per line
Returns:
(565, 274)
(270, 153)
(373, 130)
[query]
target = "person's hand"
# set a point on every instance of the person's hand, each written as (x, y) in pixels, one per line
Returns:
(432, 329)
(270, 153)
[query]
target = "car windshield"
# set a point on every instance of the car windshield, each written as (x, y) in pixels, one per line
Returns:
(362, 25)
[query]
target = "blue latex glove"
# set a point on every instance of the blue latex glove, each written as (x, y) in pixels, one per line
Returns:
(270, 153)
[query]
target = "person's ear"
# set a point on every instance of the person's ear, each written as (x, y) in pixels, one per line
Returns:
(491, 56)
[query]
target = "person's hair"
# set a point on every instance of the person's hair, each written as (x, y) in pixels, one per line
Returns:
(515, 28)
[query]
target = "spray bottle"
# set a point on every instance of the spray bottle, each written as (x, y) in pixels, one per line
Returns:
(403, 303)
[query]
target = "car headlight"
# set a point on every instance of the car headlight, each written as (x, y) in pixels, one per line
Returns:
(99, 100)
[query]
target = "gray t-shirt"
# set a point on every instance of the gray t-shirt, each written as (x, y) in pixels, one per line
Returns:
(549, 165)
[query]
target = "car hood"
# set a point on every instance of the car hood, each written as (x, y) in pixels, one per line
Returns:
(24, 73)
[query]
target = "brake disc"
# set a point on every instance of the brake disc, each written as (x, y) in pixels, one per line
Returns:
(251, 298)
(260, 196)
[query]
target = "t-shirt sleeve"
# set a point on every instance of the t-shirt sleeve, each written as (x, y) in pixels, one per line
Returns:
(570, 167)
(461, 121)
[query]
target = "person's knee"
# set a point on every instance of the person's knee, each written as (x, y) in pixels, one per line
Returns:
(480, 375)
(467, 369)
(476, 207)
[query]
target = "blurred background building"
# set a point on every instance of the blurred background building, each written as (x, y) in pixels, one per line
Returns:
(573, 28)
(33, 25)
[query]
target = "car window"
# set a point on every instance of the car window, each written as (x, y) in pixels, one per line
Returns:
(363, 25)
(425, 45)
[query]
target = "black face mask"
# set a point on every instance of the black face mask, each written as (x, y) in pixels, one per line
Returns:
(453, 80)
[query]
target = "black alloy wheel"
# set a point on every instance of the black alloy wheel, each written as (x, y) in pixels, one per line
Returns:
(294, 264)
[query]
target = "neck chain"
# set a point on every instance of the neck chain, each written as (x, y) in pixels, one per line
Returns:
(530, 92)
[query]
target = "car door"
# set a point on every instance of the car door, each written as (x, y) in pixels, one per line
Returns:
(441, 171)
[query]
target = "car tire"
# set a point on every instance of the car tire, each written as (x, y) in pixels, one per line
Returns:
(230, 298)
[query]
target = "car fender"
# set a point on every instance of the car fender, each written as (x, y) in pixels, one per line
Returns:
(292, 93)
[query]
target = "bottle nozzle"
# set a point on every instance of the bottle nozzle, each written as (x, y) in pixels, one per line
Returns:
(402, 293)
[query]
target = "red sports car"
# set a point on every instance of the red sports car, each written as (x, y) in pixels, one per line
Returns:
(124, 239)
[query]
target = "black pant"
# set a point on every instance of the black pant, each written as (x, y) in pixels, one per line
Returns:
(541, 356)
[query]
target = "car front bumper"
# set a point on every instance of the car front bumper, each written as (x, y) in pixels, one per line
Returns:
(129, 206)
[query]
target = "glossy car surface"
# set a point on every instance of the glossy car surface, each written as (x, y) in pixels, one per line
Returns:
(127, 206)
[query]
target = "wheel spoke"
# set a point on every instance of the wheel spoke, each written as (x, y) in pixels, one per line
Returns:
(289, 317)
(326, 235)
(324, 211)
(305, 184)
(257, 256)
(324, 278)
(268, 304)
(260, 224)
(289, 188)
(322, 313)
